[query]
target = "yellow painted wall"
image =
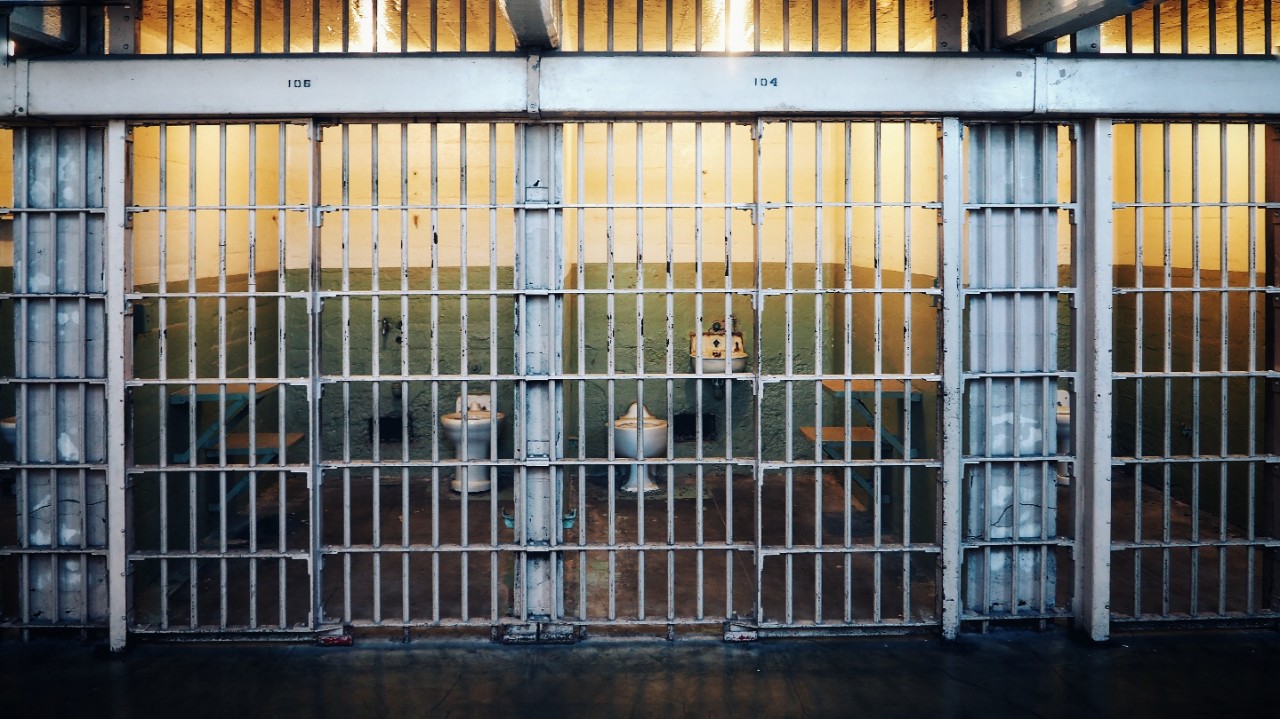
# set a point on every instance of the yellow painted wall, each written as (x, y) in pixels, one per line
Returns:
(1146, 171)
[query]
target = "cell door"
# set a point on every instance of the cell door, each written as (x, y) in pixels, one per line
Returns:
(219, 380)
(751, 376)
(311, 306)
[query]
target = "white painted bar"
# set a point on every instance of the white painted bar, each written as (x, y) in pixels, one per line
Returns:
(117, 540)
(1094, 253)
(952, 400)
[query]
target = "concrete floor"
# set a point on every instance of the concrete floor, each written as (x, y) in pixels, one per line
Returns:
(1000, 674)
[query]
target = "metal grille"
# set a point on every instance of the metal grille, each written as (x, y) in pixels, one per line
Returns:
(1194, 27)
(1018, 205)
(219, 390)
(795, 490)
(53, 565)
(308, 305)
(201, 27)
(749, 26)
(417, 305)
(401, 26)
(1194, 534)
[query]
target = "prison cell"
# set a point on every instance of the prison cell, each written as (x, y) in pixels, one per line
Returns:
(396, 322)
(1193, 537)
(220, 382)
(306, 301)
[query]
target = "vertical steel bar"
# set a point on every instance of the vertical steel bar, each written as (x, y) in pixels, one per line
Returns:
(819, 331)
(345, 356)
(408, 336)
(758, 237)
(315, 477)
(1092, 259)
(539, 265)
(611, 358)
(1139, 320)
(222, 375)
(376, 350)
(193, 496)
(699, 430)
(1224, 349)
(788, 386)
(1167, 370)
(846, 345)
(162, 353)
(951, 410)
(252, 365)
(877, 364)
(1195, 292)
(464, 364)
(669, 368)
(1251, 365)
(117, 354)
(580, 195)
(492, 470)
(905, 406)
(728, 404)
(434, 180)
(282, 367)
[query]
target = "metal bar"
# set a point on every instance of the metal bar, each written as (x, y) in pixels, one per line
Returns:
(117, 362)
(571, 85)
(758, 170)
(1092, 259)
(494, 597)
(951, 412)
(405, 583)
(315, 476)
(540, 264)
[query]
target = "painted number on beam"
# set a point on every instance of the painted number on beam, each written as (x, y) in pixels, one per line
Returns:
(299, 83)
(765, 81)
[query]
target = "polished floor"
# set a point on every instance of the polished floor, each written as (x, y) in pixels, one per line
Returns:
(999, 674)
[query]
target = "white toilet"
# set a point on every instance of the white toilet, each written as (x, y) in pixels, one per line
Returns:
(480, 421)
(637, 424)
(1064, 434)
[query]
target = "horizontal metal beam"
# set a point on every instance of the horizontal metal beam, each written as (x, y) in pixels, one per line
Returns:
(567, 86)
(278, 87)
(1147, 86)
(535, 23)
(774, 84)
(1031, 23)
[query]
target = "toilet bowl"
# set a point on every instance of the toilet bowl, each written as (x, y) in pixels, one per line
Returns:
(477, 419)
(638, 434)
(1064, 434)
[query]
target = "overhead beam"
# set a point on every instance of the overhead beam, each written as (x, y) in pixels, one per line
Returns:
(1031, 23)
(40, 30)
(536, 23)
(562, 86)
(276, 87)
